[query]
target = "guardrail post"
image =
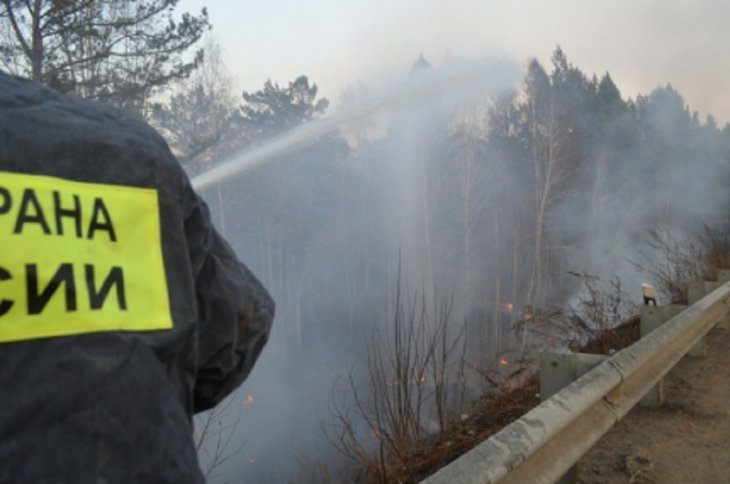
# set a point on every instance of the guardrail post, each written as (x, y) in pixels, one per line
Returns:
(651, 318)
(695, 291)
(558, 370)
(724, 276)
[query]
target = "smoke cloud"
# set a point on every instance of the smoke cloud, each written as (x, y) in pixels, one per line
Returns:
(483, 184)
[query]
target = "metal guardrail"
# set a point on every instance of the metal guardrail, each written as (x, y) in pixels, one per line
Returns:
(547, 441)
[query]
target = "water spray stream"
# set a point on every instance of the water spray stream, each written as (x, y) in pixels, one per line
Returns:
(456, 83)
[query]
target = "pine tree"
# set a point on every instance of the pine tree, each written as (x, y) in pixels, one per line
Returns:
(198, 120)
(272, 110)
(118, 51)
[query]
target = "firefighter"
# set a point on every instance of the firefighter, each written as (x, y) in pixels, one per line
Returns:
(122, 310)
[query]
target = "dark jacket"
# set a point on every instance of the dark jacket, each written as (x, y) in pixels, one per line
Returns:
(122, 310)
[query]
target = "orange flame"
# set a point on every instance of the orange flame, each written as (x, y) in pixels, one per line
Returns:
(248, 400)
(508, 306)
(502, 361)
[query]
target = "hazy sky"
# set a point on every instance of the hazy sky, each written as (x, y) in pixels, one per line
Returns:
(338, 43)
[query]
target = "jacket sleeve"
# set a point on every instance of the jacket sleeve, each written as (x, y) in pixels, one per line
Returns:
(235, 312)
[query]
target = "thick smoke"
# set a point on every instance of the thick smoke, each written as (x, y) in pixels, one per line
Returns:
(325, 226)
(481, 191)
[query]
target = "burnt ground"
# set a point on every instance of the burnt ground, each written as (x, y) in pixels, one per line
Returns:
(493, 413)
(687, 440)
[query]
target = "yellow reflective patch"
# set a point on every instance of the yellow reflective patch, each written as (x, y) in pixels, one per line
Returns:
(79, 258)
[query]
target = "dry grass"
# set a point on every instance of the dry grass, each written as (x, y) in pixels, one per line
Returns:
(614, 339)
(411, 389)
(604, 321)
(601, 307)
(491, 414)
(671, 263)
(507, 402)
(597, 326)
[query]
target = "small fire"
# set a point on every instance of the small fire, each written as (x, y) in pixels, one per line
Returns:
(508, 307)
(248, 400)
(502, 361)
